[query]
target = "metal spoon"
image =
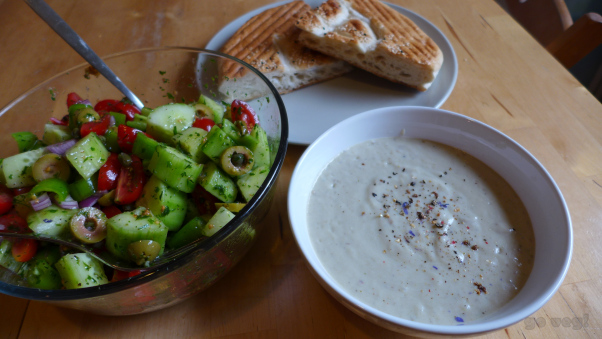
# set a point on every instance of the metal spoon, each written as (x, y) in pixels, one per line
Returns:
(104, 256)
(79, 45)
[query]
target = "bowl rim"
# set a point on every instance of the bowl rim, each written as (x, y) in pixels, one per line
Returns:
(397, 323)
(205, 245)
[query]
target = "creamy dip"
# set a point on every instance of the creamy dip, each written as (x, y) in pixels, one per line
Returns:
(421, 231)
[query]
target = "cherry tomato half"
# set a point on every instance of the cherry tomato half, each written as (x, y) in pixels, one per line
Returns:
(204, 123)
(241, 111)
(130, 182)
(98, 127)
(128, 109)
(13, 223)
(24, 249)
(111, 211)
(120, 275)
(108, 173)
(106, 106)
(204, 201)
(59, 122)
(73, 98)
(126, 136)
(6, 199)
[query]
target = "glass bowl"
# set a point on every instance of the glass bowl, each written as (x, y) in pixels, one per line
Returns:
(157, 76)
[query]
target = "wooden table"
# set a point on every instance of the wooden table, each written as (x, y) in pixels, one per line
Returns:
(505, 79)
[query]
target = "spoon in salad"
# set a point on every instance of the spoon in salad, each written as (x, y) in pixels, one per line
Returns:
(105, 256)
(80, 46)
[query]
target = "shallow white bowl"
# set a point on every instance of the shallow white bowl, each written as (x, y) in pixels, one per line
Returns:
(534, 185)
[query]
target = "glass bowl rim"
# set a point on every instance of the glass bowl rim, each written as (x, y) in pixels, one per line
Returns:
(205, 245)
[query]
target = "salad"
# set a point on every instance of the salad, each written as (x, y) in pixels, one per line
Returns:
(135, 183)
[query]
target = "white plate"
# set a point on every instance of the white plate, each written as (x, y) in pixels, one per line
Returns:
(314, 109)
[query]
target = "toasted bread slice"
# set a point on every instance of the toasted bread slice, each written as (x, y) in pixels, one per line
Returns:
(373, 36)
(268, 42)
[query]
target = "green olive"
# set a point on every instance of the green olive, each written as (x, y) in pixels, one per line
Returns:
(237, 160)
(89, 225)
(203, 111)
(87, 115)
(51, 166)
(142, 251)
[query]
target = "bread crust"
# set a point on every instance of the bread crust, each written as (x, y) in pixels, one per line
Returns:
(373, 36)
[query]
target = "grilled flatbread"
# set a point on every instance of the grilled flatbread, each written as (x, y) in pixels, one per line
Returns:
(373, 36)
(268, 42)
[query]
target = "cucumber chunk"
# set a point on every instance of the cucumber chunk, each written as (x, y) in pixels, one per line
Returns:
(53, 134)
(190, 141)
(81, 270)
(233, 207)
(249, 183)
(174, 168)
(230, 129)
(166, 203)
(193, 230)
(87, 155)
(52, 221)
(128, 227)
(218, 220)
(261, 151)
(166, 121)
(217, 109)
(17, 168)
(217, 142)
(144, 147)
(218, 183)
(6, 257)
(40, 271)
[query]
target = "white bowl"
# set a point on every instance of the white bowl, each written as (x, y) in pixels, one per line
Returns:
(533, 184)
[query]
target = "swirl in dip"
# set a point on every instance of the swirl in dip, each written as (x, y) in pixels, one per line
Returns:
(421, 231)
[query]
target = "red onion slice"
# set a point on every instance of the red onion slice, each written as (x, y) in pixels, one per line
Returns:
(41, 202)
(89, 202)
(68, 204)
(61, 147)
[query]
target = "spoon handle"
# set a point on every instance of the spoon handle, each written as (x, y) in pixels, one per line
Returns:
(79, 45)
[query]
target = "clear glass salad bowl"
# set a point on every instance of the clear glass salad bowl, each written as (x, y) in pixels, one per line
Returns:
(157, 76)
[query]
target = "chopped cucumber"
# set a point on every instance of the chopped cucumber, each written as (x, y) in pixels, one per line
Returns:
(6, 257)
(17, 168)
(40, 272)
(52, 221)
(217, 109)
(166, 203)
(81, 270)
(53, 134)
(128, 227)
(190, 141)
(230, 129)
(217, 142)
(111, 139)
(193, 230)
(261, 151)
(174, 168)
(218, 220)
(166, 121)
(218, 183)
(249, 183)
(87, 155)
(144, 147)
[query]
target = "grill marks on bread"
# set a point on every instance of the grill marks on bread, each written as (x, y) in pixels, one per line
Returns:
(373, 36)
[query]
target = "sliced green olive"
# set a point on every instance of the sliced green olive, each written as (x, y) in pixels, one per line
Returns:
(142, 251)
(237, 160)
(203, 111)
(89, 225)
(87, 115)
(51, 166)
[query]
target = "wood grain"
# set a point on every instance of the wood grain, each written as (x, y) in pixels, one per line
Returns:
(506, 79)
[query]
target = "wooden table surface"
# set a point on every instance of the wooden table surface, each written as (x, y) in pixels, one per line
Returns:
(505, 80)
